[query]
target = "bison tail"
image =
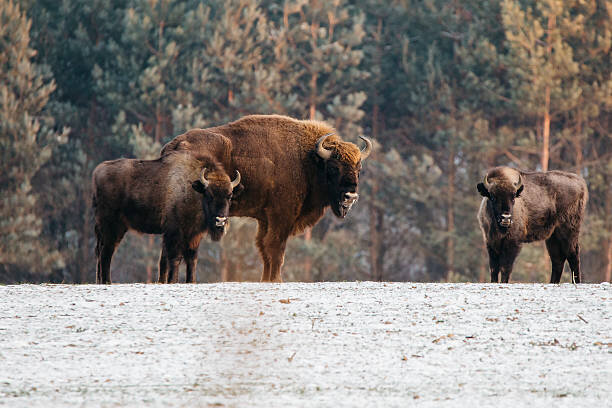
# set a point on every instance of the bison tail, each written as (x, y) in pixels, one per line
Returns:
(585, 197)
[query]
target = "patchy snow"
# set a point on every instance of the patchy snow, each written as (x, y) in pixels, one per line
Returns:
(306, 345)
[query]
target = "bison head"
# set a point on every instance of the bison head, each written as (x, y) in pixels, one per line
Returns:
(340, 167)
(217, 190)
(502, 186)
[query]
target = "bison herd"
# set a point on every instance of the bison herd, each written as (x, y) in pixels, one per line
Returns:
(285, 173)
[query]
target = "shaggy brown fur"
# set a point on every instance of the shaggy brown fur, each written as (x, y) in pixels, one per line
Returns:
(164, 196)
(288, 185)
(520, 207)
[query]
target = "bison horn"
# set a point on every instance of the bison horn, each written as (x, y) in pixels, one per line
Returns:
(486, 181)
(236, 181)
(324, 153)
(366, 150)
(519, 183)
(205, 182)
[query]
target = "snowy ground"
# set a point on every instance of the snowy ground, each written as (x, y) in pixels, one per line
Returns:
(306, 345)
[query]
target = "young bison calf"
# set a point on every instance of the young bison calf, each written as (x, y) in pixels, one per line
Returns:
(179, 195)
(524, 207)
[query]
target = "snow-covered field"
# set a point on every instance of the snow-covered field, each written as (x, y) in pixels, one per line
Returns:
(306, 345)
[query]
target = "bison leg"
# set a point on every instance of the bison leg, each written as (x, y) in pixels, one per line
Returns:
(277, 258)
(173, 273)
(173, 256)
(262, 230)
(174, 262)
(163, 266)
(191, 260)
(506, 261)
(557, 254)
(573, 259)
(493, 264)
(98, 254)
(110, 238)
(106, 256)
(275, 243)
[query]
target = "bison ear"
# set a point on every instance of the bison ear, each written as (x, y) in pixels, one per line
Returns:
(198, 186)
(519, 191)
(237, 190)
(482, 190)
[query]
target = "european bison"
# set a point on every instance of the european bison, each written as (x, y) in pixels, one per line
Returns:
(179, 195)
(524, 207)
(292, 171)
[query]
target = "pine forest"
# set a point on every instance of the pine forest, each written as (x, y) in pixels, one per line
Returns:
(446, 89)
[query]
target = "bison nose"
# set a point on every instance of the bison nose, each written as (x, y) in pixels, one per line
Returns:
(220, 221)
(348, 199)
(505, 220)
(351, 196)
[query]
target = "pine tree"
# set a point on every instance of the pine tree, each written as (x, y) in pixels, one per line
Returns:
(447, 88)
(71, 37)
(317, 57)
(230, 68)
(559, 66)
(541, 63)
(27, 140)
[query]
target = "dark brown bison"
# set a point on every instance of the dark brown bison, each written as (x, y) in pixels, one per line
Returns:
(524, 207)
(292, 170)
(179, 195)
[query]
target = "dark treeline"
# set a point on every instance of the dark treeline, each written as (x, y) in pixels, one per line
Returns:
(446, 88)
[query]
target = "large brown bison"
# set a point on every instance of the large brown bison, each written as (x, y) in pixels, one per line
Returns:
(521, 207)
(292, 170)
(179, 195)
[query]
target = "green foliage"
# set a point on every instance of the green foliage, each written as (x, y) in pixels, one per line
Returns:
(27, 142)
(446, 88)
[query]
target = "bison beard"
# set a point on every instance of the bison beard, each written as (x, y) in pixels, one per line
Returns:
(179, 195)
(292, 171)
(520, 207)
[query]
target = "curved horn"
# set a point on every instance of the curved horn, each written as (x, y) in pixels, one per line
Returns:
(519, 183)
(324, 153)
(236, 181)
(486, 181)
(203, 177)
(366, 150)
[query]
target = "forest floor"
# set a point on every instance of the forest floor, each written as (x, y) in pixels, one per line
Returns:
(359, 344)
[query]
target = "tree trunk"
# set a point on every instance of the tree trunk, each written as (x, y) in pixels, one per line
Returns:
(225, 267)
(450, 215)
(314, 30)
(546, 132)
(307, 277)
(158, 123)
(86, 231)
(150, 242)
(608, 223)
(578, 146)
(377, 216)
(608, 271)
(377, 249)
(483, 276)
(546, 125)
